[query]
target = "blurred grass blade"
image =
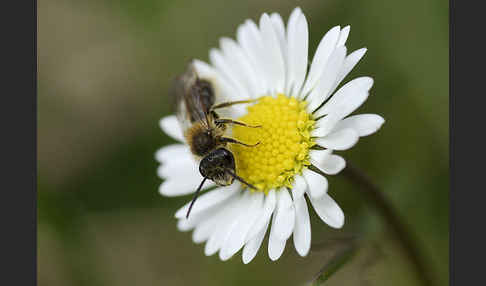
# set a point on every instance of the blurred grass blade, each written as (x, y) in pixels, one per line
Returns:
(336, 263)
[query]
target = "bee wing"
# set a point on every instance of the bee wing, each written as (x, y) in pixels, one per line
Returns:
(189, 107)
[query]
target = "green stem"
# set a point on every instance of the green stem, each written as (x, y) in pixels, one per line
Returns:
(339, 260)
(393, 220)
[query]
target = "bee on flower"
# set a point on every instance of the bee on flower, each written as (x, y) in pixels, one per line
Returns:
(259, 129)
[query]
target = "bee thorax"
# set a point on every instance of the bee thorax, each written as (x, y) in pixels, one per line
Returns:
(202, 143)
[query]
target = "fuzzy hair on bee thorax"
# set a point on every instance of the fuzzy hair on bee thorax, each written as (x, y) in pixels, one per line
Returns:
(202, 139)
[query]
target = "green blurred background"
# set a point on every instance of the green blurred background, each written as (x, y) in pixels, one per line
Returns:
(104, 70)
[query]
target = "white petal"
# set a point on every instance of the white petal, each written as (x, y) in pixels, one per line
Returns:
(328, 163)
(186, 225)
(253, 245)
(225, 222)
(297, 51)
(224, 91)
(350, 62)
(239, 61)
(316, 182)
(208, 200)
(333, 165)
(326, 124)
(194, 220)
(324, 50)
(181, 186)
(177, 164)
(347, 98)
(328, 210)
(299, 186)
(236, 239)
(273, 54)
(172, 152)
(364, 124)
(229, 72)
(323, 89)
(319, 155)
(170, 125)
(268, 208)
(235, 222)
(204, 230)
(284, 216)
(250, 40)
(178, 167)
(302, 230)
(278, 24)
(213, 222)
(339, 140)
(343, 36)
(275, 246)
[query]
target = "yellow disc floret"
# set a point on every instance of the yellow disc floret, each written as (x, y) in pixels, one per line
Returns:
(284, 138)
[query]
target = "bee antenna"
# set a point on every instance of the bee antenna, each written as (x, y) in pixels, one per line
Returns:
(195, 197)
(240, 179)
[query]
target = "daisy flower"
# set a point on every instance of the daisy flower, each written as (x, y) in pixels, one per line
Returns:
(303, 121)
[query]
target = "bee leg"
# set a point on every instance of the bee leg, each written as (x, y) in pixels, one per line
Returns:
(240, 179)
(229, 103)
(230, 121)
(234, 141)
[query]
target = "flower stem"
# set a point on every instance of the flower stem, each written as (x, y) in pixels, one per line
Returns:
(337, 261)
(383, 206)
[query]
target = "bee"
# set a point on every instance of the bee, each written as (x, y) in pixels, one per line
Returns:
(204, 130)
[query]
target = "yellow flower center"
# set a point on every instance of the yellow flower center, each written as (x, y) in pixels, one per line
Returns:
(284, 138)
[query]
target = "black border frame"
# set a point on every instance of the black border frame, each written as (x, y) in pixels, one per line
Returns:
(19, 120)
(467, 144)
(19, 212)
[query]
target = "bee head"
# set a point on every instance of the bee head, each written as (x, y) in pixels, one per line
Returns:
(218, 166)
